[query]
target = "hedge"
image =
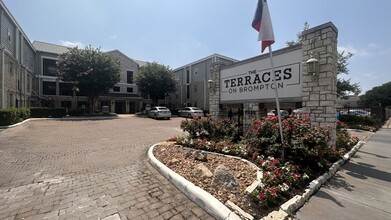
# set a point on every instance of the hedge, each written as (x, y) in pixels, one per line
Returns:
(47, 112)
(9, 116)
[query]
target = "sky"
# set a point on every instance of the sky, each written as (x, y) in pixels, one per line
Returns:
(178, 32)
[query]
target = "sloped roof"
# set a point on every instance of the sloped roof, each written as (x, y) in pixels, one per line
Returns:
(206, 58)
(50, 48)
(139, 62)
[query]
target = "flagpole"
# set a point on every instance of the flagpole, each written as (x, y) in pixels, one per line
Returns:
(277, 103)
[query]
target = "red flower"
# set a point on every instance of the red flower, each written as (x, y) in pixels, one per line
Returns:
(262, 196)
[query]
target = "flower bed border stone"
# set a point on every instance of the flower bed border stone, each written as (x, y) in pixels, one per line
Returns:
(294, 204)
(218, 210)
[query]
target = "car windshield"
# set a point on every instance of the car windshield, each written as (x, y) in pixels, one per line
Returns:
(195, 108)
(163, 108)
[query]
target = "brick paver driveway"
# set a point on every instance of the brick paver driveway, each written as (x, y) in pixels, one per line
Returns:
(53, 169)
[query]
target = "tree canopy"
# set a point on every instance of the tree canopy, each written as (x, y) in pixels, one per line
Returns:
(379, 95)
(90, 70)
(156, 80)
(344, 86)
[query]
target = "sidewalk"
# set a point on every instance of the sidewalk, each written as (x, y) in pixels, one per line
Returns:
(361, 189)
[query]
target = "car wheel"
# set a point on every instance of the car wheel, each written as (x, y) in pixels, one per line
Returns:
(189, 115)
(155, 116)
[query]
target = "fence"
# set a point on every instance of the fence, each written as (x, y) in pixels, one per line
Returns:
(377, 112)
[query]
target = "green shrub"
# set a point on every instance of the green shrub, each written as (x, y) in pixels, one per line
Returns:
(38, 112)
(363, 122)
(77, 112)
(344, 141)
(212, 129)
(11, 116)
(304, 144)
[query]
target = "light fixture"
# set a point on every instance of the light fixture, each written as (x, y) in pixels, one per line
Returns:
(312, 66)
(211, 85)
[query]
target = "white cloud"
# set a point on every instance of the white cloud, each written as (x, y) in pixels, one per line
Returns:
(354, 51)
(72, 44)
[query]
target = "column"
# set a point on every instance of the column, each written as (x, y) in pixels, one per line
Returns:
(319, 90)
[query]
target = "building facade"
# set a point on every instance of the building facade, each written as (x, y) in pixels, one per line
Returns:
(193, 82)
(123, 98)
(16, 63)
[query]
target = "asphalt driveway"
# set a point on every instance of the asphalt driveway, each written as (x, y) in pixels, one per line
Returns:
(90, 169)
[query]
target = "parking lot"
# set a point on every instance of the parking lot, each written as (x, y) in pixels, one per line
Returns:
(88, 169)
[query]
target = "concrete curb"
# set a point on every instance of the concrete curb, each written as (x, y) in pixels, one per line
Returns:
(294, 204)
(202, 198)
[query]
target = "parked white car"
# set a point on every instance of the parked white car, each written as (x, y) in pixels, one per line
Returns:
(359, 112)
(159, 112)
(190, 112)
(298, 111)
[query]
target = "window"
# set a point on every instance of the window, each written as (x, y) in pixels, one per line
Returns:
(9, 35)
(187, 76)
(49, 67)
(116, 89)
(49, 88)
(188, 92)
(129, 90)
(129, 75)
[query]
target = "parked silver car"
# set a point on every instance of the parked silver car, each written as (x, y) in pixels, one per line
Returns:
(190, 112)
(159, 112)
(284, 113)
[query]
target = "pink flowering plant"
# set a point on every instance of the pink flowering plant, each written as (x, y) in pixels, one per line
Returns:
(306, 149)
(278, 181)
(344, 140)
(303, 143)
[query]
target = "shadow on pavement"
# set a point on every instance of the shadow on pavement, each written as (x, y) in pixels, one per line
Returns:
(380, 156)
(363, 171)
(338, 181)
(324, 195)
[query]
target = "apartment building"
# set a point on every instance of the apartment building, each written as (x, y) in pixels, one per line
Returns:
(28, 76)
(124, 97)
(193, 82)
(16, 63)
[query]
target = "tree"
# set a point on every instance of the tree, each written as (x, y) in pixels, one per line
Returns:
(156, 80)
(299, 36)
(380, 95)
(344, 87)
(90, 70)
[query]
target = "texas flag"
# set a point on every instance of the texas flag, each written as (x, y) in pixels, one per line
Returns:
(263, 24)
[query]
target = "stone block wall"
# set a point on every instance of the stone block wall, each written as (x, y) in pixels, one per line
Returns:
(214, 92)
(319, 90)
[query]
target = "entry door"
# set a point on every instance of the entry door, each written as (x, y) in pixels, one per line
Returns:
(132, 107)
(119, 107)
